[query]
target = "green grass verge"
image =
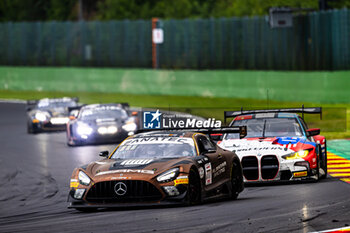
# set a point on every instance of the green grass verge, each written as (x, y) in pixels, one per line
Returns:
(203, 106)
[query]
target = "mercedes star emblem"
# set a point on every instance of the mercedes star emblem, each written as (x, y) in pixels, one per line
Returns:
(120, 188)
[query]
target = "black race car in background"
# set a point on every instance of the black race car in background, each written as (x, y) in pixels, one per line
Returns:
(100, 123)
(49, 114)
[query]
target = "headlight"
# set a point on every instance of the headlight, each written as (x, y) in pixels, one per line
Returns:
(83, 178)
(107, 130)
(84, 129)
(129, 127)
(41, 116)
(168, 175)
(112, 129)
(297, 155)
(78, 194)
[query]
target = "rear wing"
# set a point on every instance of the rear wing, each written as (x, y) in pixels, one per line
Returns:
(125, 105)
(32, 103)
(241, 130)
(302, 110)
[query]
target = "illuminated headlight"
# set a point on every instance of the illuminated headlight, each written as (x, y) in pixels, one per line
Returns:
(168, 175)
(107, 130)
(129, 127)
(83, 178)
(297, 155)
(84, 129)
(171, 190)
(102, 130)
(41, 116)
(59, 120)
(79, 193)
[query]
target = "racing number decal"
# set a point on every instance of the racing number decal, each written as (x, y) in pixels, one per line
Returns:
(208, 173)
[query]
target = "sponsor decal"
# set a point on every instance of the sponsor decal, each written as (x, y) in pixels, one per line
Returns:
(150, 172)
(258, 148)
(181, 180)
(120, 178)
(300, 174)
(74, 184)
(133, 162)
(201, 172)
(221, 168)
(155, 140)
(288, 140)
(208, 173)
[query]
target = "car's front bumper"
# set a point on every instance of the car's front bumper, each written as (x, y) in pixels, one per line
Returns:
(167, 200)
(96, 138)
(284, 170)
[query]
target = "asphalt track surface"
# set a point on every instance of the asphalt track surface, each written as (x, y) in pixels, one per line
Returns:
(34, 182)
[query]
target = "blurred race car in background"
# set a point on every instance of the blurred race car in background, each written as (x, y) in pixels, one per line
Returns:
(49, 114)
(100, 123)
(158, 167)
(278, 145)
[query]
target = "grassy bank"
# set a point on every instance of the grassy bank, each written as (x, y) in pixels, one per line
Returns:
(310, 86)
(335, 117)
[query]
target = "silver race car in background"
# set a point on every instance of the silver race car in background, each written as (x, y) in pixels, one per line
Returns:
(49, 114)
(100, 123)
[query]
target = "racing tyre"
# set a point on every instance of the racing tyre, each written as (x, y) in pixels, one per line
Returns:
(317, 175)
(236, 181)
(324, 161)
(193, 188)
(30, 129)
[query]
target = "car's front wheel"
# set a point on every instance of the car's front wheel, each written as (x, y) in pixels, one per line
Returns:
(317, 172)
(324, 161)
(193, 188)
(236, 180)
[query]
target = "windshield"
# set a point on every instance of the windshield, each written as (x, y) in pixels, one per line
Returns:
(268, 127)
(50, 104)
(155, 147)
(103, 113)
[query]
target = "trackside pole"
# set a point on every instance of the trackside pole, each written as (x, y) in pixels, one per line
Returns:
(157, 38)
(155, 62)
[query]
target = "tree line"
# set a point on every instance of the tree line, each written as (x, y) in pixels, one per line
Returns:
(63, 10)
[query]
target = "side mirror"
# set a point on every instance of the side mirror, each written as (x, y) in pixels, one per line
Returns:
(312, 132)
(216, 136)
(73, 114)
(104, 153)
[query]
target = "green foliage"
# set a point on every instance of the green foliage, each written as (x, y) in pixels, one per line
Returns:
(19, 10)
(36, 10)
(40, 10)
(62, 10)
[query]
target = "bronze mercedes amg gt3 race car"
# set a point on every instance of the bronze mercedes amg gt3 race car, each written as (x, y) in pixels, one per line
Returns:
(159, 167)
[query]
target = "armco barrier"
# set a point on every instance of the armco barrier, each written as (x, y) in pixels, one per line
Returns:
(318, 87)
